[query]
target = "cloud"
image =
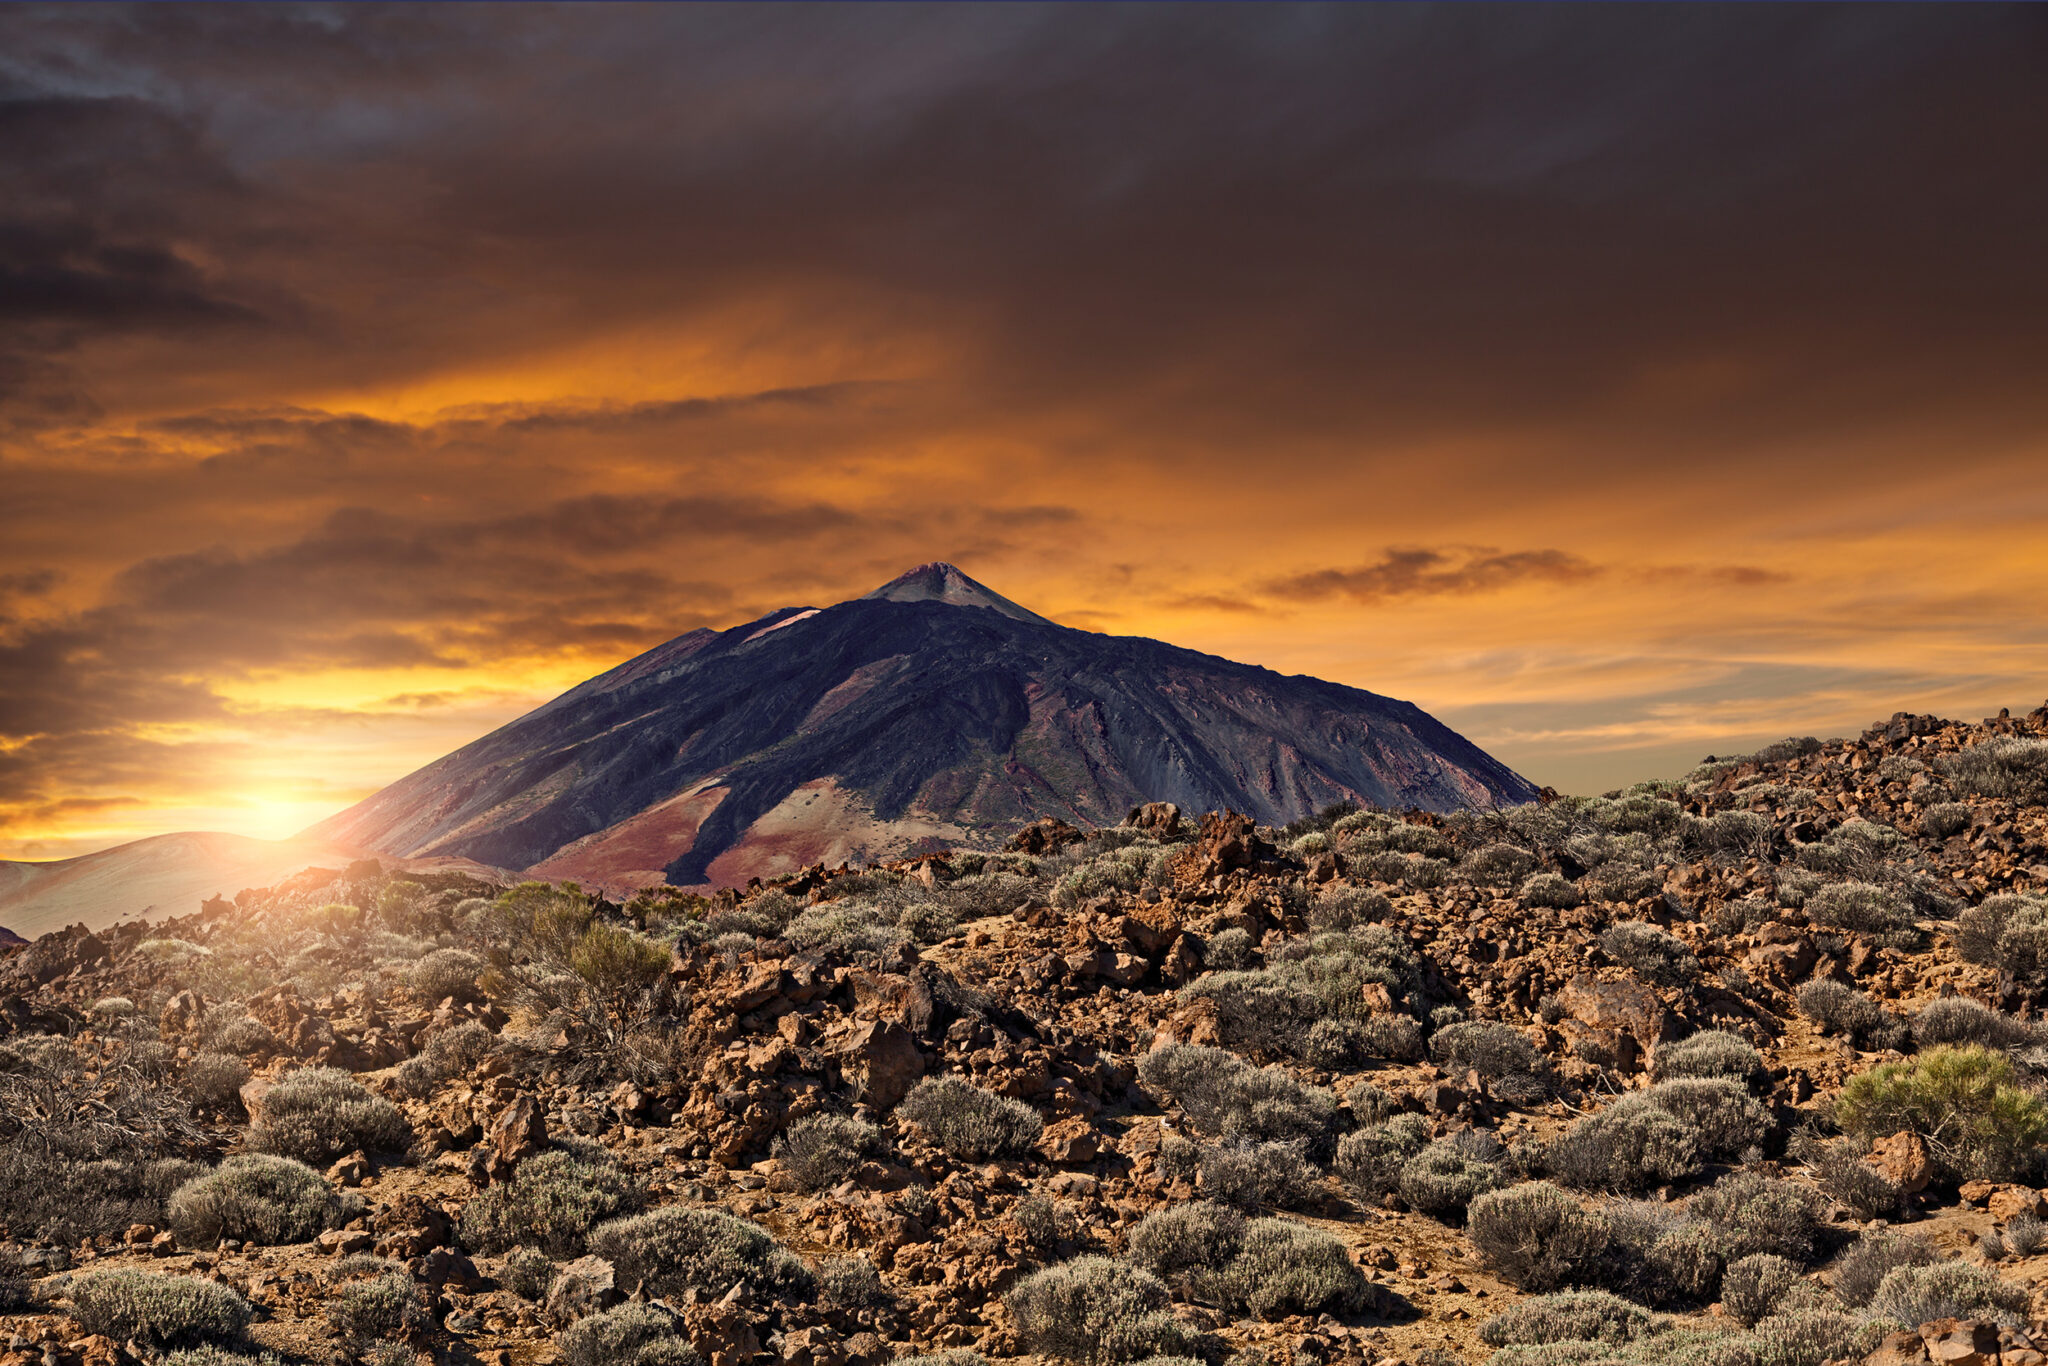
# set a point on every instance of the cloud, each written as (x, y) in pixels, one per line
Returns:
(1422, 572)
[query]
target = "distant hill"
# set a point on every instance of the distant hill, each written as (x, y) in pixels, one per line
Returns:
(159, 876)
(930, 712)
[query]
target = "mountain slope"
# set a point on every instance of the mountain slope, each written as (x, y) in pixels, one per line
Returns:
(931, 711)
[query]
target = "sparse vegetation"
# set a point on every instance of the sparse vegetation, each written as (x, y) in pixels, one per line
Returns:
(256, 1198)
(317, 1114)
(822, 1150)
(969, 1122)
(673, 1250)
(552, 1202)
(164, 1311)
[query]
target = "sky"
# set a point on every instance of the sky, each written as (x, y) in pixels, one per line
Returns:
(1620, 384)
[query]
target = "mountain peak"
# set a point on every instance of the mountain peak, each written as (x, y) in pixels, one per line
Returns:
(942, 582)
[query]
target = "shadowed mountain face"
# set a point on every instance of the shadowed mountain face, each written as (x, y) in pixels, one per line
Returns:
(927, 713)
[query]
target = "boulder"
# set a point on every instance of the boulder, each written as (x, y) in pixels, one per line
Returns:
(1903, 1160)
(882, 1062)
(581, 1288)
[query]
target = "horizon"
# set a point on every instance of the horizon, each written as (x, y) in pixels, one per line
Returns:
(1620, 386)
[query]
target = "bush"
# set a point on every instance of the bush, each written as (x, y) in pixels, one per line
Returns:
(1631, 1146)
(1569, 1316)
(318, 1114)
(1864, 908)
(1839, 1170)
(1650, 953)
(255, 1198)
(1913, 1295)
(1494, 1051)
(1863, 1268)
(552, 1201)
(2007, 932)
(822, 1150)
(454, 1052)
(617, 962)
(386, 1305)
(1223, 1095)
(632, 1334)
(1341, 906)
(220, 1356)
(1944, 819)
(1370, 1159)
(1449, 1174)
(1094, 1309)
(1750, 1213)
(1845, 1011)
(528, 1273)
(1230, 950)
(1369, 1104)
(1960, 1020)
(971, 1123)
(2004, 767)
(1188, 1243)
(1729, 1122)
(1968, 1104)
(1752, 1286)
(157, 1310)
(849, 1283)
(445, 974)
(1288, 1268)
(1248, 1173)
(1535, 1236)
(216, 1079)
(1809, 1337)
(1499, 864)
(673, 1250)
(1711, 1053)
(1551, 891)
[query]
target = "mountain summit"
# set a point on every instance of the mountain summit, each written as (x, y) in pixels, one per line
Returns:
(942, 582)
(930, 712)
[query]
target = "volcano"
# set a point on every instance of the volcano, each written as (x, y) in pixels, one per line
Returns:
(932, 712)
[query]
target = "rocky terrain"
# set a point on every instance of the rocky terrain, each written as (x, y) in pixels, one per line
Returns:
(931, 713)
(1742, 1069)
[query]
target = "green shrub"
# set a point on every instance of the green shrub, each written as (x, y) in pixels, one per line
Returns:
(1535, 1236)
(1752, 1286)
(1631, 1146)
(446, 974)
(1728, 1120)
(1867, 909)
(820, 1151)
(256, 1198)
(1651, 953)
(632, 1334)
(1370, 1159)
(1960, 1020)
(1873, 1257)
(157, 1310)
(528, 1273)
(1449, 1174)
(673, 1250)
(617, 962)
(2008, 932)
(1968, 1104)
(1286, 1268)
(1711, 1053)
(1751, 1213)
(552, 1201)
(1248, 1173)
(1913, 1295)
(1569, 1316)
(971, 1123)
(384, 1306)
(318, 1114)
(1094, 1309)
(216, 1079)
(1845, 1011)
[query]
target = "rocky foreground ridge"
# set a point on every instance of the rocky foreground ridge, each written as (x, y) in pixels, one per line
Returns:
(1744, 1069)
